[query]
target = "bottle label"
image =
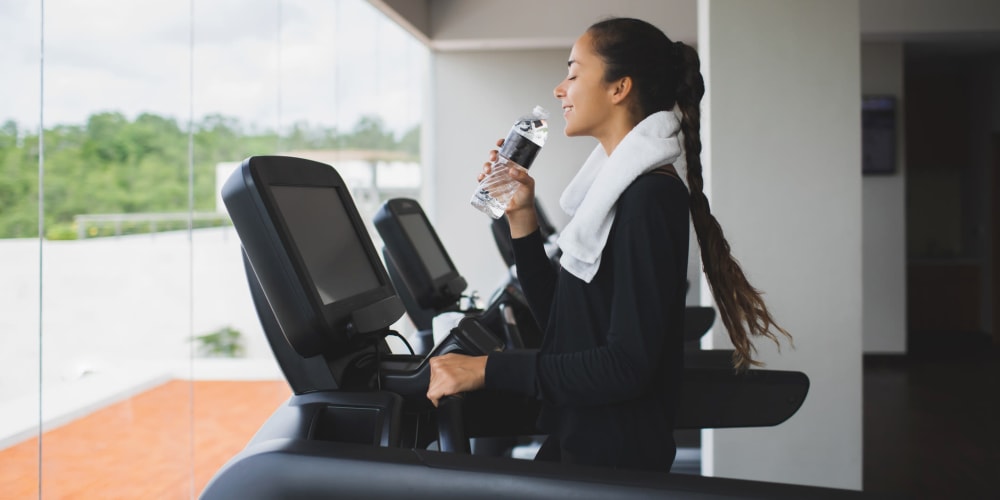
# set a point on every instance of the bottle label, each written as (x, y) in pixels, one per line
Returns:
(519, 149)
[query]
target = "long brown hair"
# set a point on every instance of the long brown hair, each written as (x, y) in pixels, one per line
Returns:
(664, 74)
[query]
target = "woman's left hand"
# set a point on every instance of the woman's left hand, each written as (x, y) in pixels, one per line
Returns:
(455, 373)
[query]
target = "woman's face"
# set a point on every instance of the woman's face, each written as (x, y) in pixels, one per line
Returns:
(586, 98)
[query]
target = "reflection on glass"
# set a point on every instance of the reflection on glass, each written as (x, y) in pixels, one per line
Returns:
(154, 370)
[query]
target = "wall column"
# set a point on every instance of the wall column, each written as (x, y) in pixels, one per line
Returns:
(783, 156)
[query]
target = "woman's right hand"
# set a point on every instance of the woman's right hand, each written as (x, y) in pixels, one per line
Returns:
(521, 208)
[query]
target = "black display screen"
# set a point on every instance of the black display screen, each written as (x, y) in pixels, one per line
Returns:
(878, 135)
(332, 253)
(426, 245)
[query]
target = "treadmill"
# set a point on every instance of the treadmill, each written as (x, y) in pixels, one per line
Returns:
(358, 424)
(429, 284)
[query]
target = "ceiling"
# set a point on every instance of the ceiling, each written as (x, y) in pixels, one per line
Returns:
(948, 26)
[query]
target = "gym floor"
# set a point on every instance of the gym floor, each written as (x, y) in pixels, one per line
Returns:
(931, 418)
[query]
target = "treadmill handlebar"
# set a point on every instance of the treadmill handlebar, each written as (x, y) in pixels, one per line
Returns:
(409, 376)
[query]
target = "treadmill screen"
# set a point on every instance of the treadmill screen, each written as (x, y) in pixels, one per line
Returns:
(425, 244)
(333, 256)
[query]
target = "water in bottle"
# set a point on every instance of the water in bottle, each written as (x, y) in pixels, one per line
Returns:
(521, 146)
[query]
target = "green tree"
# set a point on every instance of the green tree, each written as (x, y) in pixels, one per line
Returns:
(370, 133)
(111, 164)
(410, 141)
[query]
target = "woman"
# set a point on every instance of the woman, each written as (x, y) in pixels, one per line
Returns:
(608, 371)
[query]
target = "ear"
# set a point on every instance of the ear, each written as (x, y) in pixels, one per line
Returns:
(621, 89)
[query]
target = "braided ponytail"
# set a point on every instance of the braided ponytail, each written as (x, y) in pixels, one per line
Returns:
(666, 73)
(740, 305)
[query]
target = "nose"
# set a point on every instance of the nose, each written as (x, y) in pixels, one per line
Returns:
(558, 92)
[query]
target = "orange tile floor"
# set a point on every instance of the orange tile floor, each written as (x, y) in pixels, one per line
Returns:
(141, 448)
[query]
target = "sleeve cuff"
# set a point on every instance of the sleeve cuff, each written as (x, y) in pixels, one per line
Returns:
(533, 239)
(512, 371)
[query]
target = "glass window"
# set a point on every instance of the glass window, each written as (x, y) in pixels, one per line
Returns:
(133, 364)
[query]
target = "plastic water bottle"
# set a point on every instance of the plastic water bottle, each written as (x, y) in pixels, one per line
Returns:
(521, 146)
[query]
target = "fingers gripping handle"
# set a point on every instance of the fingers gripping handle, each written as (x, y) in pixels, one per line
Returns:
(410, 379)
(469, 337)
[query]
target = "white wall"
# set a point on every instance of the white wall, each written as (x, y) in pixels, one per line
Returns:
(784, 85)
(884, 214)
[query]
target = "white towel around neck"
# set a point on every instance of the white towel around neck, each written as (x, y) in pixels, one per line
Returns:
(591, 197)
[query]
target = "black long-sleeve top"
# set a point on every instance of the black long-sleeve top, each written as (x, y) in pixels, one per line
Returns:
(609, 367)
